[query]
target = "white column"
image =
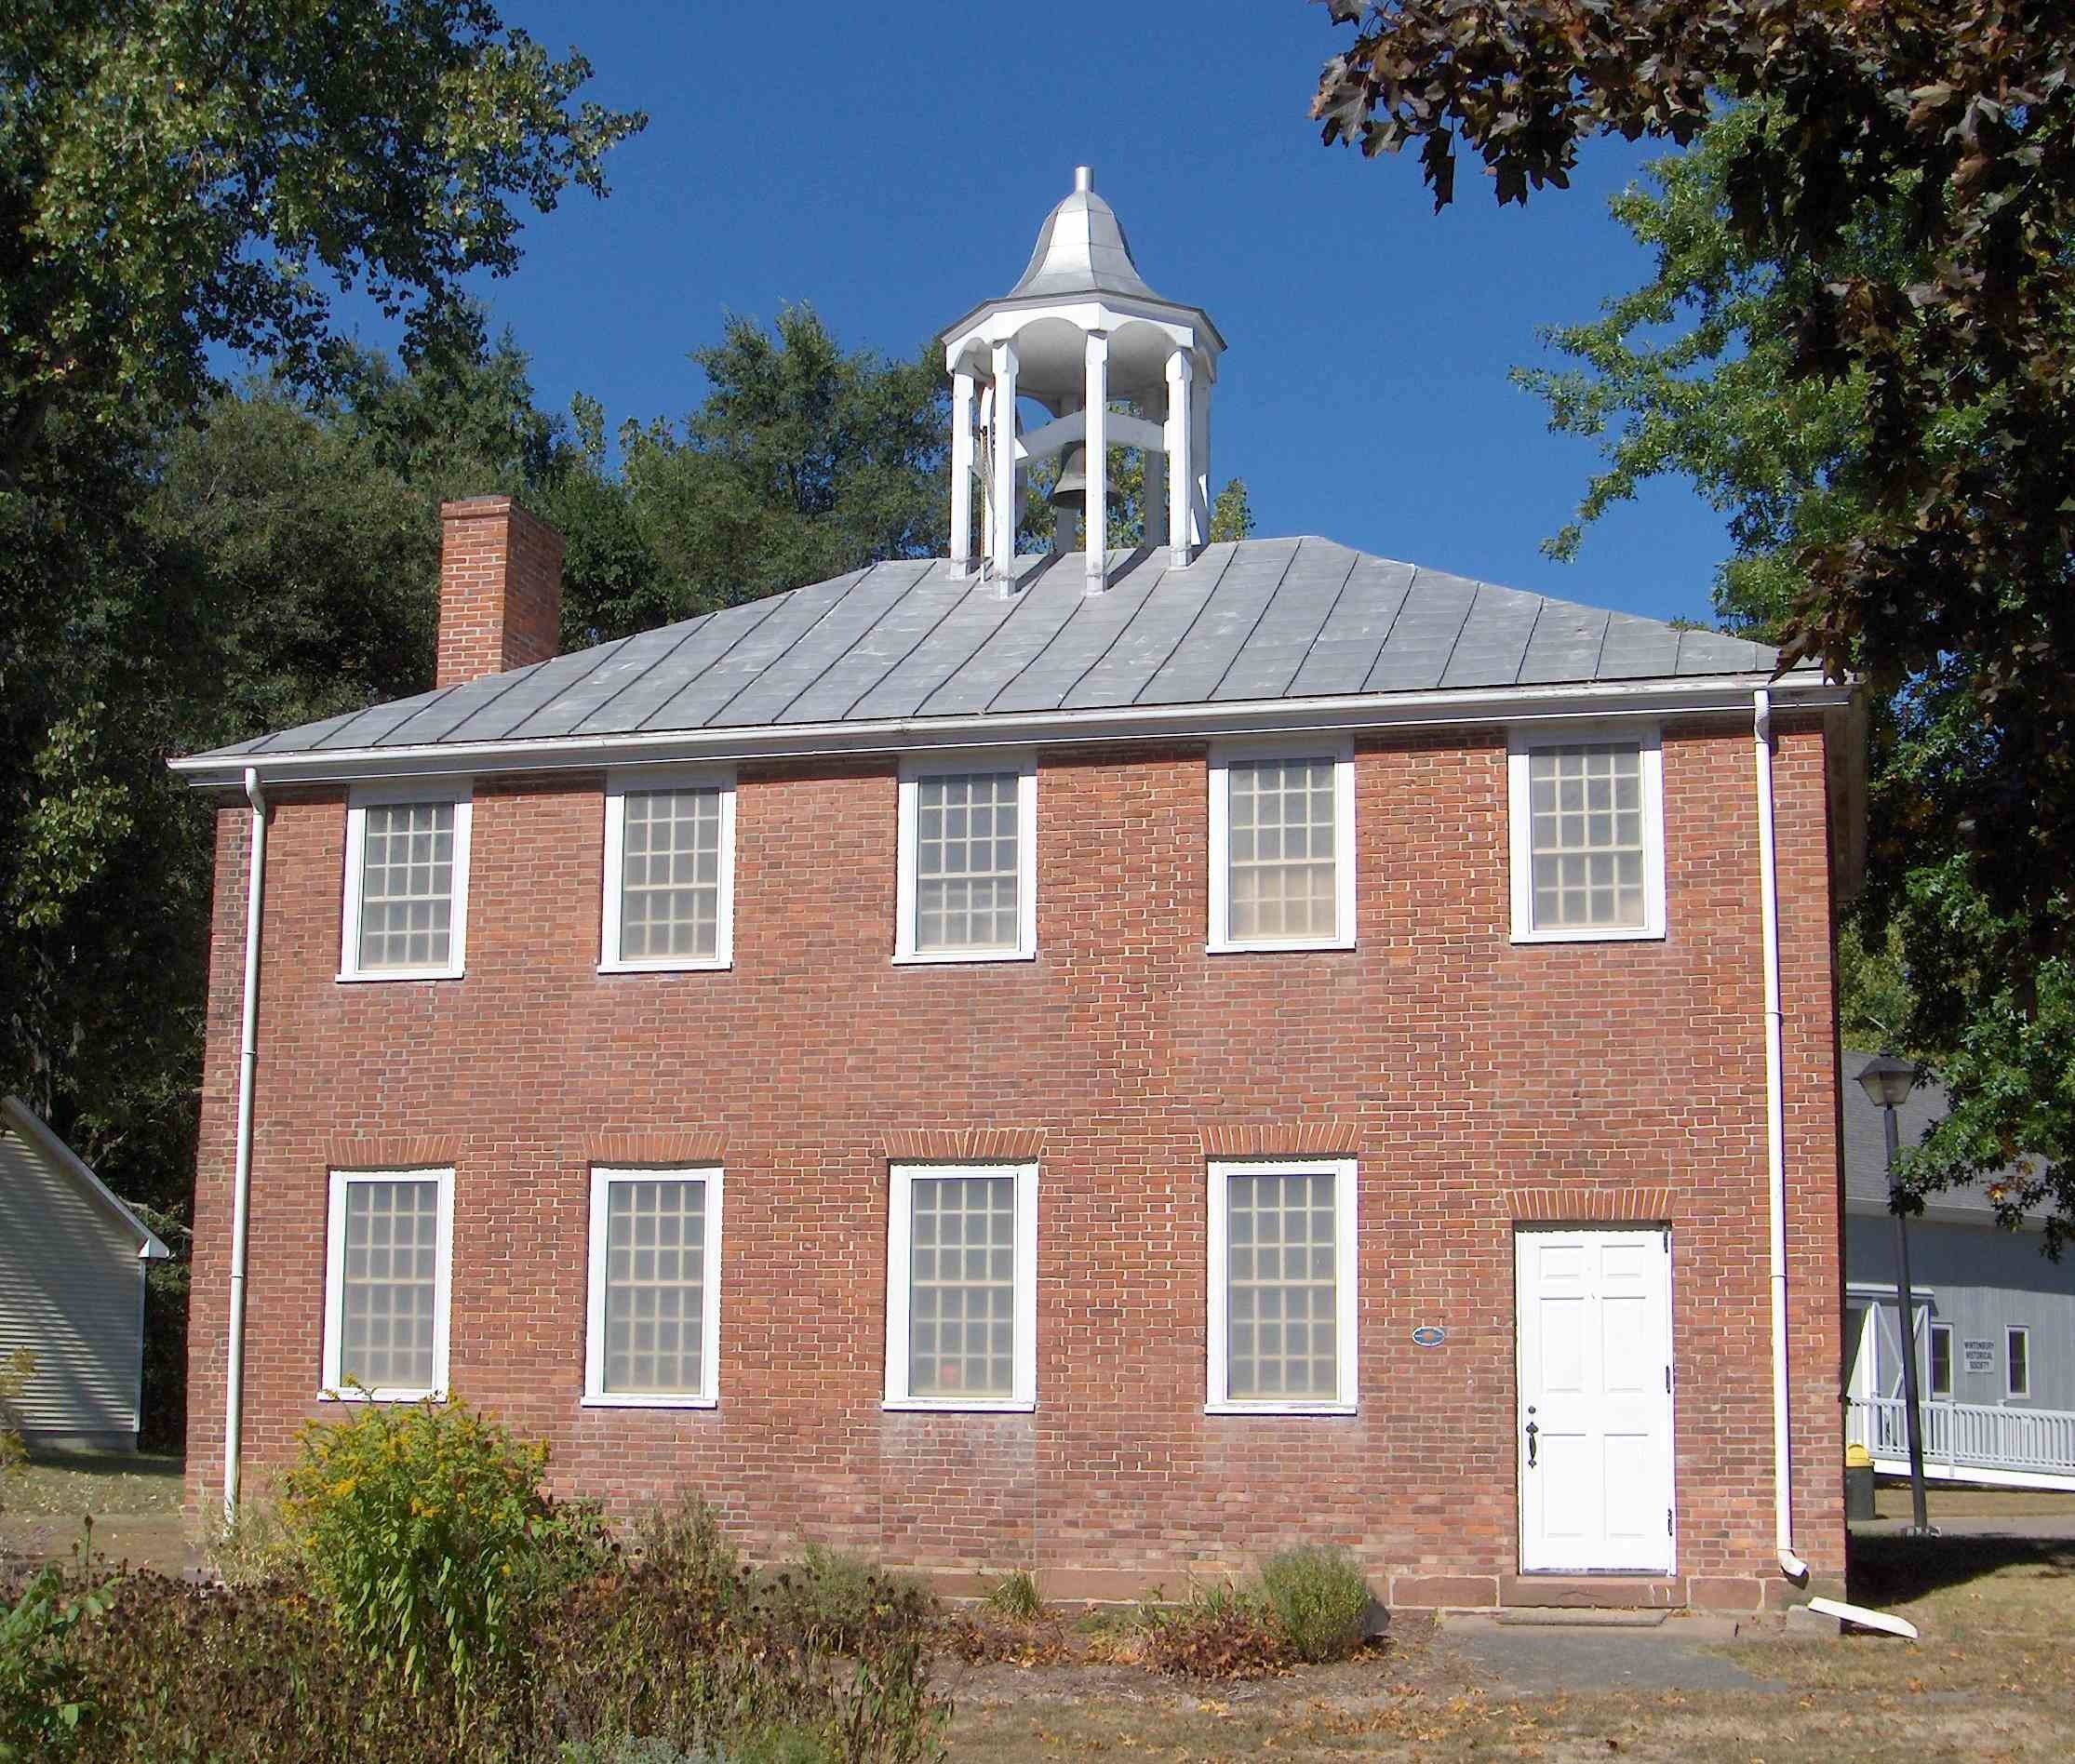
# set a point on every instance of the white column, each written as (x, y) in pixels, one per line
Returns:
(1152, 499)
(1003, 554)
(1181, 480)
(984, 467)
(1095, 404)
(1199, 465)
(961, 473)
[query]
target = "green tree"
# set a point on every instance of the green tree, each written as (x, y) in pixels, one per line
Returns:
(1893, 188)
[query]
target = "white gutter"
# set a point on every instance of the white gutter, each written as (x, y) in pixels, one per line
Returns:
(1791, 1565)
(1722, 693)
(241, 1178)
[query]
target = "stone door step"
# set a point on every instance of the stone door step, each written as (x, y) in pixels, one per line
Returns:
(1567, 1617)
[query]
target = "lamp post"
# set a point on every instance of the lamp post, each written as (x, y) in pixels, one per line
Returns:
(1888, 1081)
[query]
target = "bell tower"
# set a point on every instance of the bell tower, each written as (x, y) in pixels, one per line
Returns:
(1081, 330)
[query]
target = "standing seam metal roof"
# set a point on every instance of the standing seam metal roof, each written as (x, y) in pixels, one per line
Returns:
(1256, 620)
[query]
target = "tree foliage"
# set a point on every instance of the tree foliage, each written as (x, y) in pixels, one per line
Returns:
(1890, 196)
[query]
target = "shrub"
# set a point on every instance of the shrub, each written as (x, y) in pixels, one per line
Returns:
(1015, 1596)
(45, 1707)
(425, 1529)
(683, 1547)
(1318, 1599)
(16, 1370)
(841, 1601)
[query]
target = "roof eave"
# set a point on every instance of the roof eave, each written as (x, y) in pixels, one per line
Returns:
(32, 1128)
(1622, 699)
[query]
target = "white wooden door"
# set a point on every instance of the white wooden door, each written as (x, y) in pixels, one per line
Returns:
(1595, 1396)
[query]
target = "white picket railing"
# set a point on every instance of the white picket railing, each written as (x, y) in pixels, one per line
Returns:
(1960, 1436)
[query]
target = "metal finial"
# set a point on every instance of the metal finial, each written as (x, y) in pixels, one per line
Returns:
(1084, 177)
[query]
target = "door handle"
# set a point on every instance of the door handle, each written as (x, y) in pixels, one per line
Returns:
(1532, 1430)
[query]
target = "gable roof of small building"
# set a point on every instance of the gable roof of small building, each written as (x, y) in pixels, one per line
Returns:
(21, 1124)
(1865, 1150)
(914, 644)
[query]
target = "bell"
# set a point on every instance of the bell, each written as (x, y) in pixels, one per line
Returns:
(1070, 494)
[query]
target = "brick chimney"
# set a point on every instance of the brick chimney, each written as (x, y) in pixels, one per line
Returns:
(499, 589)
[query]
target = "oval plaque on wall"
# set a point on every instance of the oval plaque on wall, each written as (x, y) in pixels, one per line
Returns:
(1428, 1336)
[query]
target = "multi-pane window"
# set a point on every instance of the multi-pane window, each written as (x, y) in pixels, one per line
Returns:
(1282, 1286)
(669, 871)
(654, 1292)
(961, 1288)
(386, 1313)
(1281, 850)
(407, 888)
(1587, 841)
(2017, 1362)
(968, 870)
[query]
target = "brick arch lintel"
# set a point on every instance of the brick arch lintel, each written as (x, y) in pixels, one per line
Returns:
(957, 1144)
(1584, 1201)
(1277, 1139)
(394, 1151)
(685, 1145)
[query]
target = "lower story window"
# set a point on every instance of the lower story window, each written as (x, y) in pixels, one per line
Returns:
(1282, 1287)
(962, 1287)
(1941, 1360)
(2017, 1362)
(389, 1252)
(654, 1307)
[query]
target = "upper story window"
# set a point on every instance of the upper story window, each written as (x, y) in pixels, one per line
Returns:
(968, 878)
(1282, 1287)
(389, 1255)
(1588, 838)
(669, 871)
(654, 1306)
(961, 1303)
(407, 884)
(1282, 846)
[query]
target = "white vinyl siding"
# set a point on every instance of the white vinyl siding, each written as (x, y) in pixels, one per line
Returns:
(406, 885)
(1283, 860)
(962, 1287)
(669, 872)
(388, 1266)
(654, 1304)
(1282, 1287)
(71, 1291)
(1586, 817)
(966, 854)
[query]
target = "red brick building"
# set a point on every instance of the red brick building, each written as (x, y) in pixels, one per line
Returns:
(1110, 1065)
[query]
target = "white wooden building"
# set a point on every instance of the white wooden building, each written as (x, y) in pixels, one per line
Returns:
(71, 1290)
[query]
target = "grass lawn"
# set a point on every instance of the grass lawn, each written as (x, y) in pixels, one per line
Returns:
(134, 1499)
(1994, 1677)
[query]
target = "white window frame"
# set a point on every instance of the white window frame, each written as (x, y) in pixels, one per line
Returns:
(334, 1388)
(1217, 1400)
(1023, 1396)
(1521, 745)
(618, 786)
(913, 770)
(2010, 1388)
(1931, 1332)
(1338, 748)
(596, 1395)
(359, 801)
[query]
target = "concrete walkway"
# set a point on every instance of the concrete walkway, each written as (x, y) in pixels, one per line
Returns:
(1547, 1659)
(2046, 1527)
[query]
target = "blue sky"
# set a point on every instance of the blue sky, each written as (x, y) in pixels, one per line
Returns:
(891, 164)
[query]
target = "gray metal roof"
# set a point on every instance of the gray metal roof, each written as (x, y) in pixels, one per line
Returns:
(1081, 249)
(1866, 1145)
(1263, 618)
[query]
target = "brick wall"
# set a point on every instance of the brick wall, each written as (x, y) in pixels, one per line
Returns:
(1479, 1084)
(499, 589)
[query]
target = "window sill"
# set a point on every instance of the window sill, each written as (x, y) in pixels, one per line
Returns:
(379, 974)
(1278, 947)
(1282, 1408)
(952, 1405)
(949, 958)
(1649, 934)
(594, 1400)
(719, 965)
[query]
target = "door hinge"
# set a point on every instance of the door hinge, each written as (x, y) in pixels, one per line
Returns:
(1667, 1380)
(1667, 1522)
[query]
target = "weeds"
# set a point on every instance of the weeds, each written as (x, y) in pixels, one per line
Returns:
(1015, 1596)
(1318, 1599)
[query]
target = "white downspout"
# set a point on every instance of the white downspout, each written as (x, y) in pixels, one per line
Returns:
(1791, 1565)
(241, 1178)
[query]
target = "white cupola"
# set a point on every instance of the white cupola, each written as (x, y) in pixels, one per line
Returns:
(1080, 331)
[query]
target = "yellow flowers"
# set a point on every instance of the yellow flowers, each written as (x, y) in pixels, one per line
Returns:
(345, 1486)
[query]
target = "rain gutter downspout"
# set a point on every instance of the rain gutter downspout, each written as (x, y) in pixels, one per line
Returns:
(241, 1178)
(1791, 1565)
